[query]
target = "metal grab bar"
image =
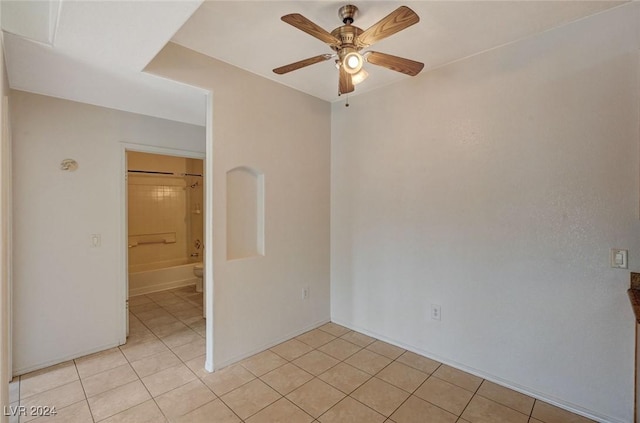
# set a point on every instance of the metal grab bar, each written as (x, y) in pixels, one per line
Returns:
(164, 241)
(153, 238)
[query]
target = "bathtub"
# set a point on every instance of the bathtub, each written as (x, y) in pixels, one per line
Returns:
(147, 278)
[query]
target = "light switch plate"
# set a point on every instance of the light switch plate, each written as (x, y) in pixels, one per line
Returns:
(619, 258)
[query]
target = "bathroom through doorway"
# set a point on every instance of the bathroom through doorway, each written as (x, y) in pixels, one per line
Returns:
(164, 233)
(165, 226)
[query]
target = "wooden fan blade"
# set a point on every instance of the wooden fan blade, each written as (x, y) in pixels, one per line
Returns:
(395, 63)
(310, 28)
(345, 85)
(301, 64)
(396, 21)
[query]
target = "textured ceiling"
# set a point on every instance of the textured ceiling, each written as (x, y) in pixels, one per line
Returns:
(94, 51)
(250, 34)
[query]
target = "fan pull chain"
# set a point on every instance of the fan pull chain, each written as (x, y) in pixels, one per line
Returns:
(347, 103)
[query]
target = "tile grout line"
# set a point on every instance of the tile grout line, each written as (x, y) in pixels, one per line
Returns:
(217, 397)
(50, 389)
(410, 394)
(198, 378)
(41, 418)
(371, 376)
(172, 315)
(363, 383)
(415, 390)
(265, 382)
(154, 338)
(181, 362)
(234, 412)
(164, 343)
(432, 374)
(297, 366)
(532, 408)
(86, 397)
(471, 399)
(504, 405)
(146, 389)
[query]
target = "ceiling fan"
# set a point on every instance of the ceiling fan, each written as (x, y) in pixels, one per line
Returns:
(347, 41)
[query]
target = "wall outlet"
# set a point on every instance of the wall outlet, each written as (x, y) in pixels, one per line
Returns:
(435, 312)
(305, 293)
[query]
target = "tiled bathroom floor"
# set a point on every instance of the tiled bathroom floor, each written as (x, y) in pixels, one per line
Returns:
(328, 375)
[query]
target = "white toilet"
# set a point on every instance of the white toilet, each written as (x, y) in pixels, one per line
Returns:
(198, 270)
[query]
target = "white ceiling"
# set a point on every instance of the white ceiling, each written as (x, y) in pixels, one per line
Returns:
(250, 34)
(95, 51)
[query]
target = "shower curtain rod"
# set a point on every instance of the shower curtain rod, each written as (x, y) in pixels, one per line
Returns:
(152, 172)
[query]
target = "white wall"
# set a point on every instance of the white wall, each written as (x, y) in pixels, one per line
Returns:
(285, 135)
(5, 238)
(495, 187)
(68, 296)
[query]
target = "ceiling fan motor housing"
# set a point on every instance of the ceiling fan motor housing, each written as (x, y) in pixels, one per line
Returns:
(347, 14)
(347, 35)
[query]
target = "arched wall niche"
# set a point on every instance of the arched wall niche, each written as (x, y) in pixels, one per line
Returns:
(245, 213)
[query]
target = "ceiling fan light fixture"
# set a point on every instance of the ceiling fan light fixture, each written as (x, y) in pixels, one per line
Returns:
(359, 77)
(353, 62)
(347, 41)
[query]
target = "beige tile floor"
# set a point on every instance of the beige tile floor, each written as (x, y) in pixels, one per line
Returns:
(328, 375)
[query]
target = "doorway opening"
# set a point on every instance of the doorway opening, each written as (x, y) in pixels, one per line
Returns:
(164, 207)
(165, 224)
